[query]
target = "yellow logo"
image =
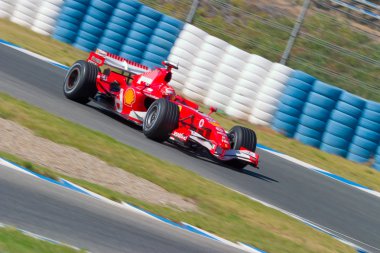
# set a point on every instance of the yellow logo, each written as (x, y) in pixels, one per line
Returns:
(215, 124)
(129, 97)
(180, 107)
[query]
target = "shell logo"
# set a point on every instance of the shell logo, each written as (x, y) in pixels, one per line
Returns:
(215, 124)
(129, 97)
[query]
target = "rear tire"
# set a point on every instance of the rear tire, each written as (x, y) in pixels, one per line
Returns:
(160, 120)
(80, 82)
(242, 137)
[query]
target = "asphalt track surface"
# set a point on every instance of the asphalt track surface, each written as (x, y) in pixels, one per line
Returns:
(337, 206)
(49, 210)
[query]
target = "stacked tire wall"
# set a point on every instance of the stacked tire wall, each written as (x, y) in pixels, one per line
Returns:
(328, 118)
(38, 15)
(366, 140)
(376, 164)
(247, 86)
(316, 113)
(341, 126)
(292, 102)
(223, 83)
(243, 85)
(268, 96)
(123, 27)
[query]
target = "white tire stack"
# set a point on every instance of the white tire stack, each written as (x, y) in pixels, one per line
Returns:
(204, 66)
(46, 17)
(24, 12)
(269, 94)
(184, 52)
(6, 8)
(247, 85)
(227, 73)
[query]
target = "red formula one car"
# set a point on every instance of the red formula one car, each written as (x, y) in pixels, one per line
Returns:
(144, 96)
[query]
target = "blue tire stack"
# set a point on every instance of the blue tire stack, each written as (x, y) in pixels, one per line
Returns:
(342, 124)
(134, 41)
(140, 32)
(124, 27)
(69, 20)
(376, 165)
(292, 102)
(151, 37)
(367, 134)
(118, 26)
(94, 23)
(316, 112)
(162, 41)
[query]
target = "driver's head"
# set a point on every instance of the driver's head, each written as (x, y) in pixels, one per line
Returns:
(168, 77)
(168, 92)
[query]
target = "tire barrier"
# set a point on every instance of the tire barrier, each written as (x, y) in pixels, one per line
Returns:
(93, 24)
(69, 20)
(291, 103)
(195, 77)
(184, 52)
(269, 94)
(155, 35)
(245, 86)
(342, 123)
(367, 133)
(6, 8)
(316, 114)
(47, 13)
(222, 89)
(216, 73)
(376, 164)
(221, 75)
(24, 12)
(38, 15)
(124, 27)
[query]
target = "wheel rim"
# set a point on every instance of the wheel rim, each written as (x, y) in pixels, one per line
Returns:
(152, 117)
(72, 80)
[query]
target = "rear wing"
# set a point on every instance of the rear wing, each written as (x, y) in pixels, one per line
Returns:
(100, 58)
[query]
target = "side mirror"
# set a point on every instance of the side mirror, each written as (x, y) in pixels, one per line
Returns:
(212, 110)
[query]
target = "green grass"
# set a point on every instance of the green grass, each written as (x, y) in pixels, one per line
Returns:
(26, 164)
(221, 211)
(40, 44)
(13, 241)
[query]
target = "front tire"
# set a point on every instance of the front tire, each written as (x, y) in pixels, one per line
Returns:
(160, 120)
(242, 137)
(80, 82)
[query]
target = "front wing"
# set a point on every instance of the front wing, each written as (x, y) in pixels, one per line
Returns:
(243, 155)
(221, 154)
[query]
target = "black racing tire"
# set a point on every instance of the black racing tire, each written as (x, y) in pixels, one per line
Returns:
(241, 137)
(80, 82)
(160, 120)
